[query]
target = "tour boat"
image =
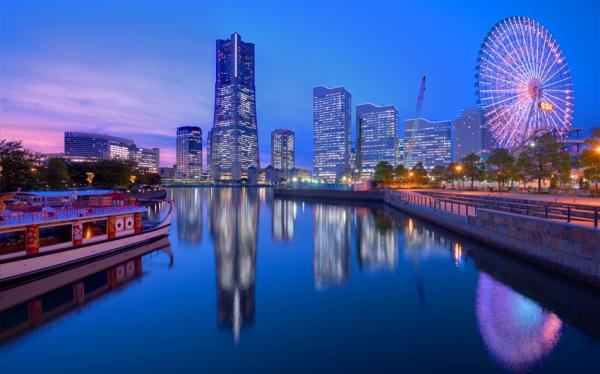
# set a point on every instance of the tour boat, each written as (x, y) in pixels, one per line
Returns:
(47, 230)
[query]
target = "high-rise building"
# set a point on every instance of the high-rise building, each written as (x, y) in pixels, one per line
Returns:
(400, 152)
(94, 145)
(189, 152)
(331, 132)
(470, 134)
(377, 134)
(147, 159)
(427, 142)
(209, 155)
(283, 151)
(234, 139)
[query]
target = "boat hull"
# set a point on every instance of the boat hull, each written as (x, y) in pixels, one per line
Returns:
(28, 267)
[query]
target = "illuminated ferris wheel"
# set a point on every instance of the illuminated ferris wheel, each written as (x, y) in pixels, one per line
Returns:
(523, 84)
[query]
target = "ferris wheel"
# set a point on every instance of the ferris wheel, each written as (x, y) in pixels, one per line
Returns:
(524, 87)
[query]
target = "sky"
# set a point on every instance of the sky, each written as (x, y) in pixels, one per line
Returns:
(140, 69)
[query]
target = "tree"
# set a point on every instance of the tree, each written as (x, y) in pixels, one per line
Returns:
(438, 175)
(499, 166)
(400, 173)
(544, 152)
(522, 168)
(564, 167)
(473, 167)
(19, 167)
(590, 158)
(419, 174)
(110, 173)
(55, 174)
(384, 172)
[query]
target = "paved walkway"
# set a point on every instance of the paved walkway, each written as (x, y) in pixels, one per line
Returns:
(591, 201)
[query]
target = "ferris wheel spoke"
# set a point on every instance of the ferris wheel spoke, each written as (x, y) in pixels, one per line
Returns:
(512, 67)
(497, 45)
(523, 56)
(553, 64)
(552, 83)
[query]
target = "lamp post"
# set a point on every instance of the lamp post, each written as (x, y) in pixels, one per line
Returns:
(410, 175)
(458, 169)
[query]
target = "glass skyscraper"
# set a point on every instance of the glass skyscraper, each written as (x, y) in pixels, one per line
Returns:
(331, 132)
(470, 134)
(377, 134)
(427, 142)
(283, 152)
(189, 152)
(234, 138)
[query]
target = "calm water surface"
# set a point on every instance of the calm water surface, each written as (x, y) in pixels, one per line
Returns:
(255, 284)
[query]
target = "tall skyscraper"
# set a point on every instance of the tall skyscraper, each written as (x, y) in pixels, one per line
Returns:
(377, 134)
(234, 140)
(470, 134)
(96, 145)
(209, 155)
(283, 151)
(427, 142)
(331, 132)
(189, 152)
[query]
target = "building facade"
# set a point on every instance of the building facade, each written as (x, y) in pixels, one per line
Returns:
(376, 136)
(470, 134)
(234, 138)
(283, 151)
(94, 145)
(147, 159)
(427, 142)
(332, 119)
(189, 152)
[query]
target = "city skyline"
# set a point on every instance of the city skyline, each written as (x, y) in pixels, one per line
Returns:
(140, 93)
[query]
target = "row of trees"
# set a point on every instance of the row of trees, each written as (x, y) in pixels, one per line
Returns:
(25, 170)
(539, 161)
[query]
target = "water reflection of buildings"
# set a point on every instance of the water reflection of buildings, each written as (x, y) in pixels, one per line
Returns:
(188, 202)
(331, 244)
(377, 241)
(517, 332)
(30, 306)
(234, 228)
(283, 219)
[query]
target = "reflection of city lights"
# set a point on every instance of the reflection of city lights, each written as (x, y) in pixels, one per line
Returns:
(411, 226)
(457, 252)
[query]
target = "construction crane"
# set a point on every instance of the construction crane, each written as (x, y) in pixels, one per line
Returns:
(410, 144)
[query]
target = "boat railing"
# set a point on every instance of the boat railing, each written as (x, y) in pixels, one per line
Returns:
(57, 214)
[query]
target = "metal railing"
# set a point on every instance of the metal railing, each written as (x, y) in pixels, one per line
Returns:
(570, 213)
(444, 205)
(19, 218)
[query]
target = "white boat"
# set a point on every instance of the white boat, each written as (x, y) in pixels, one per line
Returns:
(46, 239)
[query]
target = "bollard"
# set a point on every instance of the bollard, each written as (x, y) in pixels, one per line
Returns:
(569, 214)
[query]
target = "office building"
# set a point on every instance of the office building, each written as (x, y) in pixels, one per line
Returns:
(427, 142)
(331, 133)
(94, 145)
(470, 134)
(189, 152)
(377, 135)
(283, 152)
(147, 159)
(234, 138)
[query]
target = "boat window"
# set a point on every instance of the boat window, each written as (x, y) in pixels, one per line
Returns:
(55, 235)
(12, 242)
(94, 228)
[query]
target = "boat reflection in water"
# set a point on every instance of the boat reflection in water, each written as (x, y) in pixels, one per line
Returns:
(29, 306)
(331, 235)
(517, 332)
(234, 229)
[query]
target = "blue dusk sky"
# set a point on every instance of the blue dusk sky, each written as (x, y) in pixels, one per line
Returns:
(141, 68)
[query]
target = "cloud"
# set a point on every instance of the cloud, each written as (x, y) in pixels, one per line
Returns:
(142, 100)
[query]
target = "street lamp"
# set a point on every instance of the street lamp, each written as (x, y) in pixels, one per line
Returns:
(458, 168)
(597, 149)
